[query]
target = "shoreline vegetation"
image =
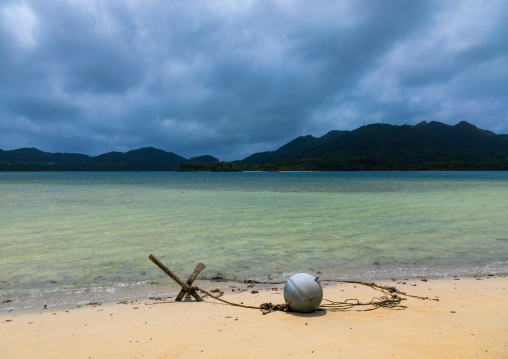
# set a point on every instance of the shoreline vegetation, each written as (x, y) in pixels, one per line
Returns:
(363, 165)
(426, 146)
(468, 321)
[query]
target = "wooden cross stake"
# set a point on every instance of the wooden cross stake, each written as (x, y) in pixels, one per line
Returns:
(186, 286)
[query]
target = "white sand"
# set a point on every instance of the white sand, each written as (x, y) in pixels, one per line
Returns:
(470, 320)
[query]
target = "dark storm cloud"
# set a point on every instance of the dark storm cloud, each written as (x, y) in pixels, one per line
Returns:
(231, 78)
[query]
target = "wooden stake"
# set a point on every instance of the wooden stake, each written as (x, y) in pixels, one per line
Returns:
(191, 279)
(186, 287)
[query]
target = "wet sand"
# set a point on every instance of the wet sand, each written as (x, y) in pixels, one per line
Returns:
(470, 320)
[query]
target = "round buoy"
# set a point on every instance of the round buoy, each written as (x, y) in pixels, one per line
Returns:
(303, 293)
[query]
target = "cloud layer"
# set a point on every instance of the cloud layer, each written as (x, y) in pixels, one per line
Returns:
(231, 78)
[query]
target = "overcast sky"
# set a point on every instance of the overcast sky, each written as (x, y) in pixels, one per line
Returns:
(233, 77)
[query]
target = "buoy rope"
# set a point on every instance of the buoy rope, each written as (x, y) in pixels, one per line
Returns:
(265, 307)
(392, 297)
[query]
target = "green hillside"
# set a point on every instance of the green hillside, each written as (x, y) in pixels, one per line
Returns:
(143, 159)
(426, 146)
(376, 147)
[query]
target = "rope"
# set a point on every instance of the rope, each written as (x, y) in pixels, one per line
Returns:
(265, 307)
(392, 297)
(223, 300)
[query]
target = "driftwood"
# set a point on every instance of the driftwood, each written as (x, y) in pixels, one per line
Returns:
(186, 286)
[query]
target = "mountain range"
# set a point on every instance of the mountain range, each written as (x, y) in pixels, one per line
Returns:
(143, 159)
(425, 146)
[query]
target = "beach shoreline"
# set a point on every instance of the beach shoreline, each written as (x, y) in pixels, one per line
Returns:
(470, 320)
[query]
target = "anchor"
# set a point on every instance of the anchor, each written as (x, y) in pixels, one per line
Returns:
(186, 286)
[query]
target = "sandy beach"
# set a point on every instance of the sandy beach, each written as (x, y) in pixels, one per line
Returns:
(470, 320)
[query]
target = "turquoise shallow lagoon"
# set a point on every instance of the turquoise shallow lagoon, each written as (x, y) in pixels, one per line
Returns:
(75, 237)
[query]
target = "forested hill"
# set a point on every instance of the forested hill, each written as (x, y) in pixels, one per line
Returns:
(143, 159)
(377, 147)
(425, 146)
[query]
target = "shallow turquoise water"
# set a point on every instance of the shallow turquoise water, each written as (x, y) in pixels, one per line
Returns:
(64, 234)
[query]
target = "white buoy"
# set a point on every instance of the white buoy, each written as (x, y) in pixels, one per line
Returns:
(303, 293)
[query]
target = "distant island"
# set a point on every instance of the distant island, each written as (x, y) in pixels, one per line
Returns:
(143, 159)
(427, 146)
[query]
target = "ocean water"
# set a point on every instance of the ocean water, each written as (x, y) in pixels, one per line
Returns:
(69, 238)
